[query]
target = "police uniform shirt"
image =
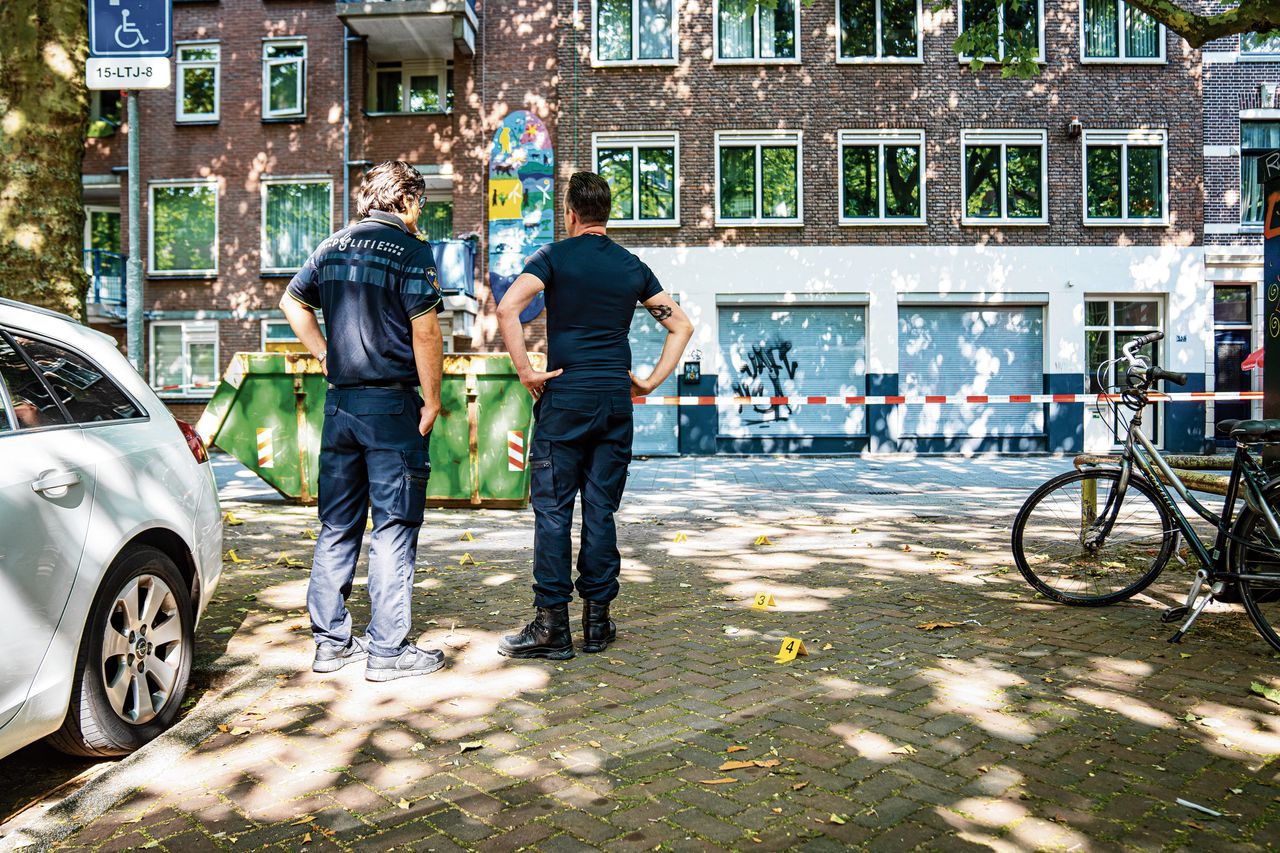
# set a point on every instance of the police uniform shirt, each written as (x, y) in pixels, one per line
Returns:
(371, 280)
(592, 287)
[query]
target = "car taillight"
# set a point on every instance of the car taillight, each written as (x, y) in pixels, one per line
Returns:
(194, 441)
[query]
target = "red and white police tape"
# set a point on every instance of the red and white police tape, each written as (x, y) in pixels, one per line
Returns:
(898, 400)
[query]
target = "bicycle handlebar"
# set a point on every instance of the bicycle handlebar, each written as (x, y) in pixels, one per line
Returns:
(1139, 343)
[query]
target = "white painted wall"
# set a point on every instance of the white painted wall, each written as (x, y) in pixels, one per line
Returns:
(973, 273)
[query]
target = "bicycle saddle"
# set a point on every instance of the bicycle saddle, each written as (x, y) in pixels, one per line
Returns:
(1267, 430)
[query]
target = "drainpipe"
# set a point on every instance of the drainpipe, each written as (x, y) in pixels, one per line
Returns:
(347, 38)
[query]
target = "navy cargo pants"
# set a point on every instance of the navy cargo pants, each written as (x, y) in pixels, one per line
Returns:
(370, 452)
(582, 444)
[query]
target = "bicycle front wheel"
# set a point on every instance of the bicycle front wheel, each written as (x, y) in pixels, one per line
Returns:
(1052, 533)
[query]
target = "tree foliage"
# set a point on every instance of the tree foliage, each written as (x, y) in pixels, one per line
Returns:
(44, 111)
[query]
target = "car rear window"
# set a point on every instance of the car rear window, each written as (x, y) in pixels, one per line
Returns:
(32, 405)
(84, 389)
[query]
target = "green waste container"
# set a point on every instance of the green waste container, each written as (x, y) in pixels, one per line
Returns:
(268, 412)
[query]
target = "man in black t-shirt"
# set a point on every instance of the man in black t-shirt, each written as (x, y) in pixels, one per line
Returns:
(582, 441)
(376, 283)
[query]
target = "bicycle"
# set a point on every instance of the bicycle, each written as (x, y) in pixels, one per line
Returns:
(1103, 534)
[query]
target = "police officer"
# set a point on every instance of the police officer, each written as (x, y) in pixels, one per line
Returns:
(376, 283)
(582, 439)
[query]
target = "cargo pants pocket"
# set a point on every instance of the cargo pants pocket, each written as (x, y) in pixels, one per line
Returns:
(411, 499)
(542, 485)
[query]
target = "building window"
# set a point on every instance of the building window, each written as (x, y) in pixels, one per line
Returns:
(184, 228)
(413, 87)
(1004, 177)
(1110, 324)
(1232, 343)
(879, 30)
(278, 336)
(198, 81)
(758, 179)
(295, 219)
(750, 31)
(284, 79)
(1017, 24)
(105, 111)
(1256, 139)
(435, 221)
(1124, 176)
(641, 171)
(635, 31)
(1111, 30)
(184, 357)
(881, 176)
(1259, 44)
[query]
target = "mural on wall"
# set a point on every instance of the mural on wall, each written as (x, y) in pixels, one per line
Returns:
(521, 201)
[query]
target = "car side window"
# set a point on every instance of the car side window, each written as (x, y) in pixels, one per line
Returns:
(6, 425)
(32, 404)
(87, 393)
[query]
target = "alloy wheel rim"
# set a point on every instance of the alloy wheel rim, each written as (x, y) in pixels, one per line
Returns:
(142, 649)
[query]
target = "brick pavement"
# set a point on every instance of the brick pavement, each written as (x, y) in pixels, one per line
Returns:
(1027, 727)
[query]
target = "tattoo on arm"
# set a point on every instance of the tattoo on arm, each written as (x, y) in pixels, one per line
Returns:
(661, 312)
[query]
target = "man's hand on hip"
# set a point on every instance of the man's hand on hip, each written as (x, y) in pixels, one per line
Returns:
(536, 379)
(641, 387)
(427, 418)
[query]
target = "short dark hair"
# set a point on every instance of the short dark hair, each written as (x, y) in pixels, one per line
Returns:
(590, 198)
(390, 186)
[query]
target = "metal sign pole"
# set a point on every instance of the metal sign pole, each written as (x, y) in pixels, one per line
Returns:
(133, 269)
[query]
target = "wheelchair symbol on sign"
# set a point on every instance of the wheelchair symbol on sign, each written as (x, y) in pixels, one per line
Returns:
(129, 30)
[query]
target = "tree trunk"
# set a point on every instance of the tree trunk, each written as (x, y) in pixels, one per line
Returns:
(44, 114)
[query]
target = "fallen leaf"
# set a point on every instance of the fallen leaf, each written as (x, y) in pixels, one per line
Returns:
(240, 730)
(735, 765)
(468, 745)
(905, 547)
(300, 820)
(404, 804)
(725, 781)
(907, 749)
(828, 647)
(1269, 693)
(799, 786)
(933, 626)
(223, 728)
(225, 629)
(836, 819)
(736, 749)
(418, 747)
(594, 743)
(772, 762)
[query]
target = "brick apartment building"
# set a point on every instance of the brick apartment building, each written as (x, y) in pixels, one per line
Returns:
(1241, 117)
(839, 203)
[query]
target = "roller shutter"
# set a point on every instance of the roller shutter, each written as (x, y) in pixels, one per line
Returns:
(657, 427)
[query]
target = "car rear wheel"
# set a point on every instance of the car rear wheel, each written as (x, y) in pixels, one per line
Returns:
(135, 658)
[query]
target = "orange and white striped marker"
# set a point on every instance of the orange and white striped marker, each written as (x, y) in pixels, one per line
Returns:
(515, 451)
(266, 450)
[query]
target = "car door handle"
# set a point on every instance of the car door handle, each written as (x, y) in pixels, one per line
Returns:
(56, 481)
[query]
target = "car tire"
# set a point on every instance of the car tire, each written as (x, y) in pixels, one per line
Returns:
(126, 689)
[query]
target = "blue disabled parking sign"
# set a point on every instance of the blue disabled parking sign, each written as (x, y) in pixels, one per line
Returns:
(130, 28)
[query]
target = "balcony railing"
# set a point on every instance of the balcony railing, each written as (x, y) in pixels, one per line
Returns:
(412, 29)
(456, 266)
(106, 279)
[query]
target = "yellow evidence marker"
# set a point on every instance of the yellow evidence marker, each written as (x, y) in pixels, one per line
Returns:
(763, 601)
(467, 537)
(680, 537)
(466, 559)
(763, 540)
(791, 647)
(233, 557)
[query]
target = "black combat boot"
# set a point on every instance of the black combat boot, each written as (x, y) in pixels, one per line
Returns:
(547, 636)
(598, 630)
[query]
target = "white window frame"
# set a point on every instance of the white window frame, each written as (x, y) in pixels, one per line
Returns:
(280, 321)
(879, 59)
(716, 59)
(878, 139)
(193, 332)
(597, 62)
(1126, 333)
(759, 139)
(1122, 59)
(151, 225)
(180, 81)
(409, 70)
(1123, 139)
(263, 188)
(638, 141)
(1259, 55)
(1003, 139)
(89, 210)
(268, 64)
(963, 58)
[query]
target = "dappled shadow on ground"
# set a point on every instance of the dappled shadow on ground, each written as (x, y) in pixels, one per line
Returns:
(940, 700)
